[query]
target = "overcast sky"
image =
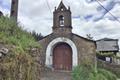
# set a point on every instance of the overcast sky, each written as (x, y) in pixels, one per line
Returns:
(88, 17)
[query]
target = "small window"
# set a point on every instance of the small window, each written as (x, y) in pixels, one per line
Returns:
(61, 20)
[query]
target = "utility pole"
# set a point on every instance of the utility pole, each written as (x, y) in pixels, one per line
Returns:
(14, 9)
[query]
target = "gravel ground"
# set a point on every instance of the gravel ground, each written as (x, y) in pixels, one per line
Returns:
(56, 76)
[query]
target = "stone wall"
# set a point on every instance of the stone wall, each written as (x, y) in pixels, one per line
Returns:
(6, 51)
(86, 50)
(35, 53)
(115, 68)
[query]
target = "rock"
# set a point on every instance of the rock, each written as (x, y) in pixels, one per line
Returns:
(4, 51)
(34, 49)
(0, 55)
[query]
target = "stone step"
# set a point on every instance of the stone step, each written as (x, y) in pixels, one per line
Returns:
(56, 75)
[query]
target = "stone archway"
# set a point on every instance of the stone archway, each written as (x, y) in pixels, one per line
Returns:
(51, 45)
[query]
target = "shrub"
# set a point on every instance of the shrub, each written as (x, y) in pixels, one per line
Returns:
(89, 73)
(80, 73)
(18, 64)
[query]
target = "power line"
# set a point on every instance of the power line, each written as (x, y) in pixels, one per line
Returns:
(108, 11)
(49, 6)
(67, 2)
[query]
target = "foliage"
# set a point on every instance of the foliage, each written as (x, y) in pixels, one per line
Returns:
(117, 57)
(12, 33)
(108, 54)
(89, 73)
(37, 36)
(80, 73)
(105, 54)
(18, 64)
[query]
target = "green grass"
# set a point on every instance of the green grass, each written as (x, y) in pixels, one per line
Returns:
(18, 64)
(89, 73)
(11, 33)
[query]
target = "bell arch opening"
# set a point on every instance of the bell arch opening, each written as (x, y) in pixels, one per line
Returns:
(61, 20)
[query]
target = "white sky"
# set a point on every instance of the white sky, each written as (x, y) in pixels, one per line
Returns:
(88, 17)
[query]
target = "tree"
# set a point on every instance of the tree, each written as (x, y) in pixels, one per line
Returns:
(1, 14)
(37, 36)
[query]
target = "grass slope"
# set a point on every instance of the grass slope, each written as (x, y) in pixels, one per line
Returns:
(18, 64)
(10, 33)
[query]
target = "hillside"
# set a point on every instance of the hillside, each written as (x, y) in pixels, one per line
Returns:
(20, 57)
(17, 46)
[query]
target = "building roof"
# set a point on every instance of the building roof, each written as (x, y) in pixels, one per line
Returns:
(107, 39)
(107, 44)
(83, 38)
(72, 34)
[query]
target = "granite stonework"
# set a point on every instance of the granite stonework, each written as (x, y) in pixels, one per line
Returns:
(85, 48)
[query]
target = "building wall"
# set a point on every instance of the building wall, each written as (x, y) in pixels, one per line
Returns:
(85, 48)
(111, 45)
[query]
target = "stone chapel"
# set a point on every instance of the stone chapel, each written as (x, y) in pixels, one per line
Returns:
(62, 49)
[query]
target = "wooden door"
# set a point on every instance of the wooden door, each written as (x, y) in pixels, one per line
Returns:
(62, 57)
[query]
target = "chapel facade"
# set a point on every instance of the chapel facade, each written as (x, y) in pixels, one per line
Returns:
(62, 49)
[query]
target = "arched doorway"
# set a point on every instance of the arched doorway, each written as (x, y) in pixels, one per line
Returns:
(62, 57)
(50, 47)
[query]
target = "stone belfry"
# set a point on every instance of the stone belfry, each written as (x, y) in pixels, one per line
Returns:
(14, 9)
(62, 22)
